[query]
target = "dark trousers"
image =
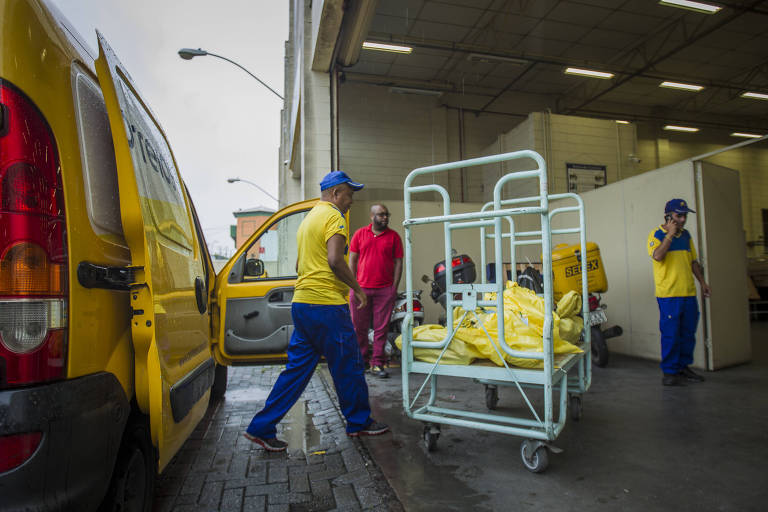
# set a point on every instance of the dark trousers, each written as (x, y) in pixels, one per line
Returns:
(678, 318)
(319, 330)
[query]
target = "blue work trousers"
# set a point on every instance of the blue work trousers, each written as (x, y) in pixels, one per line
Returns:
(678, 318)
(319, 330)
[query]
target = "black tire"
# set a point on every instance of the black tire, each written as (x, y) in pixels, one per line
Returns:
(491, 397)
(219, 387)
(575, 407)
(430, 439)
(133, 478)
(599, 348)
(537, 461)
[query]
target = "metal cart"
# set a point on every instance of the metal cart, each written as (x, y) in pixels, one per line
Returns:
(563, 376)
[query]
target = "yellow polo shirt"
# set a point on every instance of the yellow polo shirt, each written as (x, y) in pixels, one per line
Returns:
(673, 275)
(317, 284)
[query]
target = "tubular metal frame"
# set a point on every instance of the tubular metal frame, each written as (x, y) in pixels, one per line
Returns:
(550, 376)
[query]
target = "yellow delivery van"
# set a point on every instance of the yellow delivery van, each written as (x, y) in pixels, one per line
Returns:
(114, 329)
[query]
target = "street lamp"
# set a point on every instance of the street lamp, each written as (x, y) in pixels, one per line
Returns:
(190, 53)
(232, 180)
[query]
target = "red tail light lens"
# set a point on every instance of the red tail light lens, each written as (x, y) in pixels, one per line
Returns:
(440, 268)
(33, 249)
(594, 303)
(417, 306)
(17, 448)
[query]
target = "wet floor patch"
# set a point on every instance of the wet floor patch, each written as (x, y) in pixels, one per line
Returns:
(247, 395)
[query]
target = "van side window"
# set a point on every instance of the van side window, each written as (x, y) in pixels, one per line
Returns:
(273, 255)
(98, 158)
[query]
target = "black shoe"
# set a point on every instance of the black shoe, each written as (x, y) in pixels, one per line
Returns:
(378, 371)
(271, 444)
(374, 428)
(672, 379)
(689, 375)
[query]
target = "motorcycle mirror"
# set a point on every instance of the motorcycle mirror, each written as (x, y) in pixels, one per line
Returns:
(424, 278)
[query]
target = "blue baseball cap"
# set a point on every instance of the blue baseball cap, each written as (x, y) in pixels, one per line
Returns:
(334, 178)
(677, 206)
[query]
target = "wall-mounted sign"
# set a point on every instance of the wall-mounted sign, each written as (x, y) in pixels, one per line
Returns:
(585, 177)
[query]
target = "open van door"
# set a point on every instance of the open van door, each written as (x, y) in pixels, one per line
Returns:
(169, 270)
(252, 310)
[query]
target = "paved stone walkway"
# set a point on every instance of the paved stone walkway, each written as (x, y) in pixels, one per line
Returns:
(217, 469)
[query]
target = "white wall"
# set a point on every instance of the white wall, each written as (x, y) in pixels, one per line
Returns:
(384, 135)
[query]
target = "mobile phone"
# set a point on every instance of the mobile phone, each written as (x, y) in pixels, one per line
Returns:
(667, 218)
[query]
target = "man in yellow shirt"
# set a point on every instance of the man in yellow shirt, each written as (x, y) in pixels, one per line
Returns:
(321, 319)
(674, 265)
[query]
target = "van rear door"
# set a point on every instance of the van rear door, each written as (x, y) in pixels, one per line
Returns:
(252, 308)
(170, 323)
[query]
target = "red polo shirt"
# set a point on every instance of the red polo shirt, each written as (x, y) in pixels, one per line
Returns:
(376, 256)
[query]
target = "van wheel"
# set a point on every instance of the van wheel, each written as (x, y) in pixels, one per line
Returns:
(133, 479)
(219, 382)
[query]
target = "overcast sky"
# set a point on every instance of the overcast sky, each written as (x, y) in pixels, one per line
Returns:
(220, 122)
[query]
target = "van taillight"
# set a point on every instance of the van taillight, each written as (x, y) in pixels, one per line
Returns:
(17, 448)
(33, 248)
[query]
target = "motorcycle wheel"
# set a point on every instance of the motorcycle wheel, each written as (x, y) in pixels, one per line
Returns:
(599, 347)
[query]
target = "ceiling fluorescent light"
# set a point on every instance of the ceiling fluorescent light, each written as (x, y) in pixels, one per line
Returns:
(746, 135)
(385, 47)
(588, 72)
(674, 128)
(692, 6)
(412, 90)
(495, 59)
(621, 121)
(755, 95)
(679, 85)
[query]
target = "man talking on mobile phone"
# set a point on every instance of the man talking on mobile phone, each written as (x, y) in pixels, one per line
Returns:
(674, 266)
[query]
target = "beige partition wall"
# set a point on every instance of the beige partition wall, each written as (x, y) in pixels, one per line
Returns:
(619, 218)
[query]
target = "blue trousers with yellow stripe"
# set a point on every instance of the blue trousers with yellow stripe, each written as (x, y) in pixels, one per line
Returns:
(678, 318)
(319, 330)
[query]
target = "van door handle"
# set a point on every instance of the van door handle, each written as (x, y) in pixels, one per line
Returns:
(250, 315)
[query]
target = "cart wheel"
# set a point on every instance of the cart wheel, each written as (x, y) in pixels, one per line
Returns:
(537, 461)
(491, 397)
(430, 438)
(599, 347)
(576, 407)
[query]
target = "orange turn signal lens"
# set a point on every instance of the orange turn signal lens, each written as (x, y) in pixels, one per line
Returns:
(26, 270)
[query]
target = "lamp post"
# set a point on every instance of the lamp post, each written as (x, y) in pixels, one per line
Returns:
(190, 53)
(233, 180)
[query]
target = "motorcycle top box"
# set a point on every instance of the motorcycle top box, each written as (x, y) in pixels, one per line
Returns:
(463, 271)
(566, 267)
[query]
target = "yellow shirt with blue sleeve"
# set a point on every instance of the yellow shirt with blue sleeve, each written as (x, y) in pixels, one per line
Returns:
(673, 275)
(317, 284)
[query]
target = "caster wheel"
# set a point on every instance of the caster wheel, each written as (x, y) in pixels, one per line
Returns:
(430, 438)
(536, 460)
(575, 407)
(491, 397)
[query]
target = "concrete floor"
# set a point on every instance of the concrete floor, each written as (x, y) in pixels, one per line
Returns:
(639, 446)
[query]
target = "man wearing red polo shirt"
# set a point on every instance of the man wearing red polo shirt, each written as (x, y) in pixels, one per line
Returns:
(376, 259)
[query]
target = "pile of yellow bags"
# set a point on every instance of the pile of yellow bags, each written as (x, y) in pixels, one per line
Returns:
(523, 330)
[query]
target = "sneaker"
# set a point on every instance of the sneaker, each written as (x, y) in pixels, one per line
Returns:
(689, 375)
(672, 379)
(374, 428)
(378, 371)
(271, 444)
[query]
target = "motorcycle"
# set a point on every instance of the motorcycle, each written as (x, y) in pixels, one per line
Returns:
(463, 272)
(597, 318)
(399, 310)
